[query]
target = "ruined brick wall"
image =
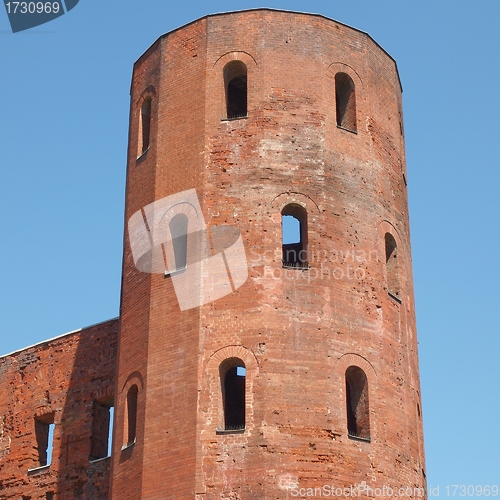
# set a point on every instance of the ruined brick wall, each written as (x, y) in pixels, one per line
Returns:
(59, 381)
(296, 331)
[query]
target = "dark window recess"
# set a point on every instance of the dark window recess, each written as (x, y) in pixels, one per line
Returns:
(233, 375)
(44, 431)
(392, 265)
(145, 124)
(235, 82)
(294, 236)
(345, 101)
(101, 426)
(131, 414)
(358, 412)
(179, 231)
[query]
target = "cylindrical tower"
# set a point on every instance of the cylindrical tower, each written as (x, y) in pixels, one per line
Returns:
(280, 355)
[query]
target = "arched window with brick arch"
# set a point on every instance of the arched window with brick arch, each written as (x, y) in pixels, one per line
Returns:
(232, 374)
(345, 102)
(145, 125)
(357, 402)
(235, 85)
(294, 235)
(392, 265)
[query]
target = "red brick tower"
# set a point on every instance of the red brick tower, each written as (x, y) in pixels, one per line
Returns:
(306, 374)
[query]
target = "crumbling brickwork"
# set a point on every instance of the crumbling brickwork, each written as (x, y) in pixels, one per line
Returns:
(59, 381)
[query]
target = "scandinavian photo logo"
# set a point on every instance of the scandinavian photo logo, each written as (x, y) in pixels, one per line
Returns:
(170, 237)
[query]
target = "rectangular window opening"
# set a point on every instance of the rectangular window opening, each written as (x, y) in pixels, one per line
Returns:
(44, 432)
(102, 430)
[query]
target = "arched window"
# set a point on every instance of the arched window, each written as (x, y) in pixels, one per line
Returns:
(232, 378)
(294, 236)
(145, 125)
(235, 84)
(179, 230)
(358, 414)
(131, 415)
(392, 265)
(345, 99)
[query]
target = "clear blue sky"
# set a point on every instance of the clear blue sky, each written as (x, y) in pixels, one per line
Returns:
(64, 103)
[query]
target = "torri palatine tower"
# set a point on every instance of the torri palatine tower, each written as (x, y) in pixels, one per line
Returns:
(267, 327)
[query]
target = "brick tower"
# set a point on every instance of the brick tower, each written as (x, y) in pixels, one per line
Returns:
(298, 369)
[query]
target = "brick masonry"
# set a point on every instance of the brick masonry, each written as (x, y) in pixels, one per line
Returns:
(61, 378)
(296, 331)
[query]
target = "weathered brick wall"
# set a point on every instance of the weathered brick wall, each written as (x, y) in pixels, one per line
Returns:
(62, 379)
(297, 331)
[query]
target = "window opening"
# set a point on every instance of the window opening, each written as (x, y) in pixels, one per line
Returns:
(145, 124)
(131, 415)
(294, 236)
(102, 427)
(235, 83)
(111, 427)
(358, 414)
(179, 231)
(345, 101)
(233, 380)
(44, 431)
(392, 265)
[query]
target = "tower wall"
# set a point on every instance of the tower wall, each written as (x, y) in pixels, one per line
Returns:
(297, 331)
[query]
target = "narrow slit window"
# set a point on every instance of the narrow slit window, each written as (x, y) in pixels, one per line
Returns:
(44, 431)
(111, 427)
(294, 236)
(233, 381)
(358, 411)
(235, 83)
(392, 265)
(145, 125)
(131, 415)
(102, 425)
(345, 101)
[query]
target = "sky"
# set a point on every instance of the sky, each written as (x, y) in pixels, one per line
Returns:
(64, 106)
